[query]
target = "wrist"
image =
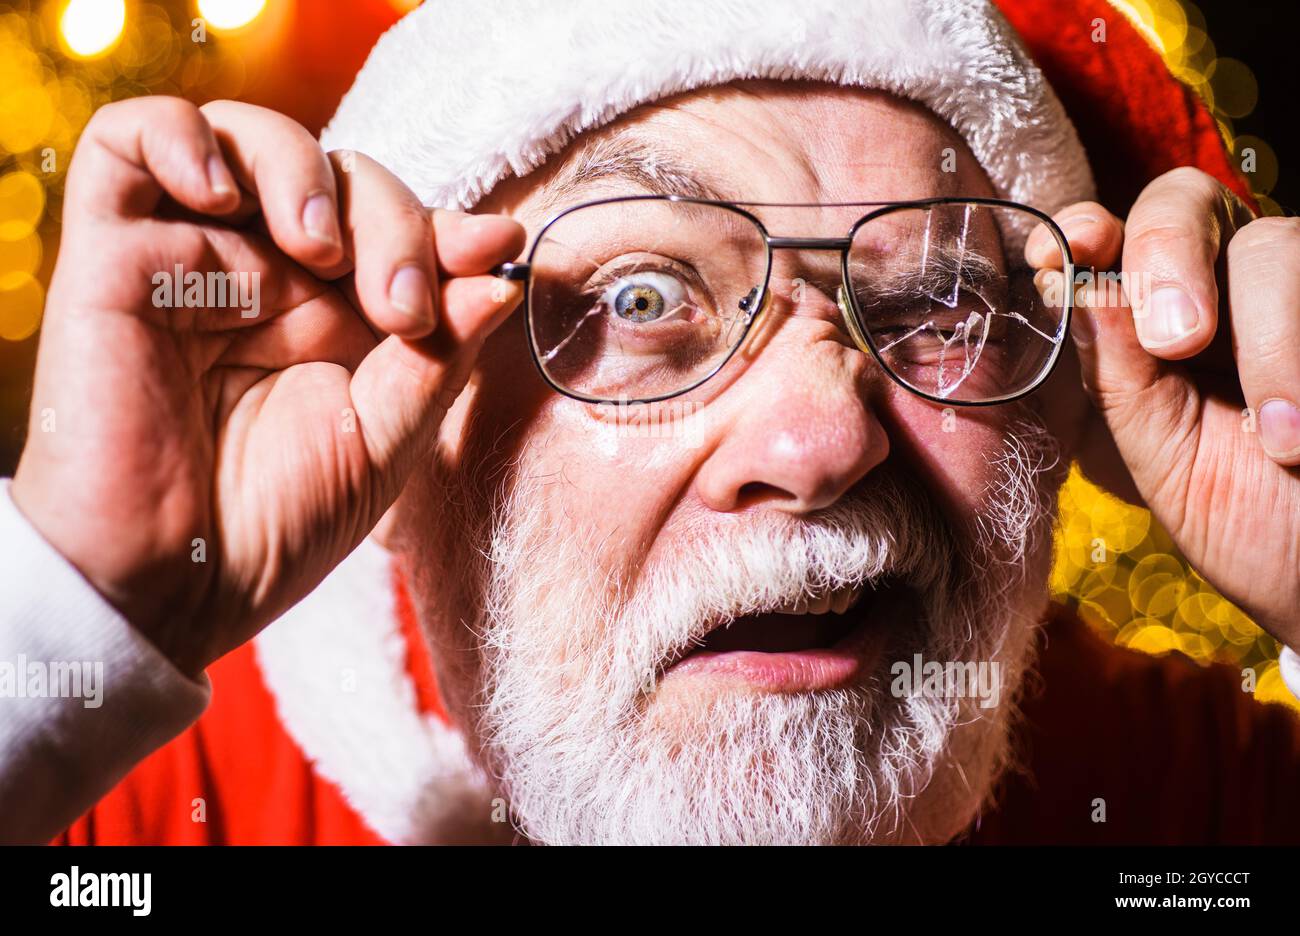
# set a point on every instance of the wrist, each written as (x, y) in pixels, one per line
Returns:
(140, 596)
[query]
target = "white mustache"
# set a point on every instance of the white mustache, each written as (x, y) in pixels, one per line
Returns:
(888, 533)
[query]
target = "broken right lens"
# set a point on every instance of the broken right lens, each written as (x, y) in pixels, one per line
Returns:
(946, 299)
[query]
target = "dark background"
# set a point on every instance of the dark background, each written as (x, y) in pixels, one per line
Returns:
(1266, 36)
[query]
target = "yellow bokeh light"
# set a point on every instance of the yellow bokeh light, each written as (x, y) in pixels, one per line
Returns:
(230, 14)
(22, 255)
(1143, 18)
(92, 27)
(22, 202)
(1235, 89)
(1271, 688)
(21, 300)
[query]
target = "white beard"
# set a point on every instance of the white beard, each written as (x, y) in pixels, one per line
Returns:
(587, 753)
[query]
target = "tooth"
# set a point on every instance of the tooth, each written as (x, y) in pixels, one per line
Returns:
(847, 598)
(820, 605)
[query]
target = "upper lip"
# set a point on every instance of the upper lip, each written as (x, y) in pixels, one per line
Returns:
(838, 599)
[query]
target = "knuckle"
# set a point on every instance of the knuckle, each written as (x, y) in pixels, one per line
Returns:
(1162, 239)
(173, 111)
(411, 216)
(1106, 222)
(262, 122)
(140, 110)
(223, 105)
(1193, 180)
(1095, 209)
(1266, 235)
(355, 161)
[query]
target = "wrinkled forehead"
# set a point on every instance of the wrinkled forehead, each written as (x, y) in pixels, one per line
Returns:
(757, 141)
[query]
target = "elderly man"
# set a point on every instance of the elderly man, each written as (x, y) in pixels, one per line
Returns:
(738, 531)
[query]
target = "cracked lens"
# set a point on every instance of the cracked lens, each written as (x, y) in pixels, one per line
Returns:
(950, 311)
(641, 298)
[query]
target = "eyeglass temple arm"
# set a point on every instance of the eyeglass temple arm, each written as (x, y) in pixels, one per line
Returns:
(511, 271)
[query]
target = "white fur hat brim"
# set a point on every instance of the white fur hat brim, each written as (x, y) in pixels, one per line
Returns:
(457, 95)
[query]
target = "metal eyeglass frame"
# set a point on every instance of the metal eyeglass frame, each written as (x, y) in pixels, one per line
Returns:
(755, 305)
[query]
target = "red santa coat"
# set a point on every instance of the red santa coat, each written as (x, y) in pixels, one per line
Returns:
(1179, 753)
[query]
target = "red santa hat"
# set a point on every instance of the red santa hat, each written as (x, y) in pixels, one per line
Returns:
(456, 96)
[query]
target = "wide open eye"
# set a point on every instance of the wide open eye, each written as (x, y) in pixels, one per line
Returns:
(644, 297)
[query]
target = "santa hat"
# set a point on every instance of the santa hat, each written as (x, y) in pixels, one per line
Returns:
(457, 96)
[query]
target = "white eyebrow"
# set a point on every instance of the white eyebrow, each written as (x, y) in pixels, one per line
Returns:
(945, 267)
(632, 160)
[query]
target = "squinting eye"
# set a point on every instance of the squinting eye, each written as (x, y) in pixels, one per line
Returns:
(644, 297)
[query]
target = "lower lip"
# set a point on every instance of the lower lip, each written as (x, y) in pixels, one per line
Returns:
(796, 671)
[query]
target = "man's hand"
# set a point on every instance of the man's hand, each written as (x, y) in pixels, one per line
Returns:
(205, 467)
(1198, 383)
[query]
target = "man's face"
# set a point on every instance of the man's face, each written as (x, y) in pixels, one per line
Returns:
(686, 627)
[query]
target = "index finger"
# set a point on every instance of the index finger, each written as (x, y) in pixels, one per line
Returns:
(471, 244)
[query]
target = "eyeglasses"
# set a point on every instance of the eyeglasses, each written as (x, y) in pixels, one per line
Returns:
(641, 298)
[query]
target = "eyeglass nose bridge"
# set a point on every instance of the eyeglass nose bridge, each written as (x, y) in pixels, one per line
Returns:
(809, 243)
(840, 244)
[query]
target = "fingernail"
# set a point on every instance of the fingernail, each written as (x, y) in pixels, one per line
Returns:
(1279, 428)
(1170, 316)
(219, 178)
(319, 219)
(409, 293)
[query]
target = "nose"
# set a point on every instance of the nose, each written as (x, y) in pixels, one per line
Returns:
(802, 431)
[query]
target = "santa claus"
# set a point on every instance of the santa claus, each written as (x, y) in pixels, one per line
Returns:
(407, 550)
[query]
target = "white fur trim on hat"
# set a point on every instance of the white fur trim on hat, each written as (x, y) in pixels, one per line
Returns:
(457, 95)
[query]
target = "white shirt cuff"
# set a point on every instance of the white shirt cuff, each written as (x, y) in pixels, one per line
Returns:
(1288, 664)
(83, 695)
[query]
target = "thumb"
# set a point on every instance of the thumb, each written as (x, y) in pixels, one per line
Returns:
(403, 388)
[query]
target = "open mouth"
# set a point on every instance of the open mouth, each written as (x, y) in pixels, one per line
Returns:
(819, 642)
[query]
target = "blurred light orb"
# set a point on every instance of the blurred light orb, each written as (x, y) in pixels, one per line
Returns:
(22, 202)
(91, 27)
(21, 300)
(230, 14)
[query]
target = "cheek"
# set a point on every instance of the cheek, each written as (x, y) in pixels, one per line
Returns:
(609, 473)
(614, 475)
(955, 450)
